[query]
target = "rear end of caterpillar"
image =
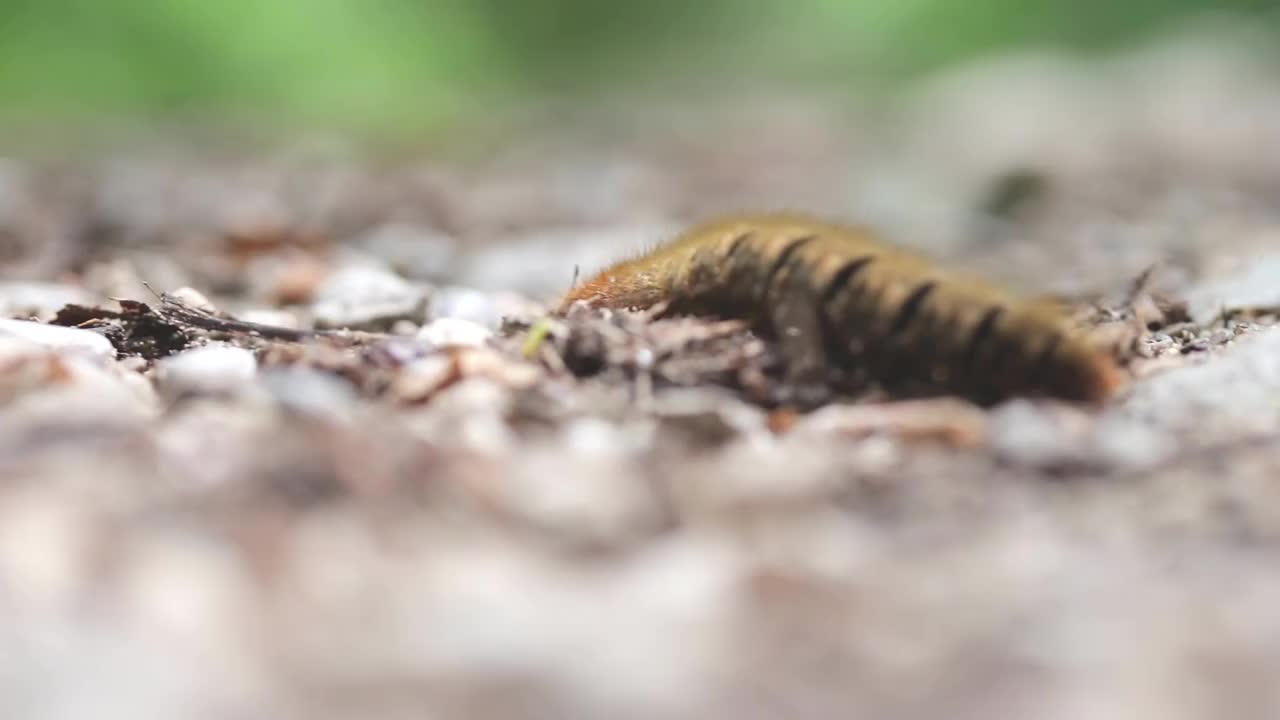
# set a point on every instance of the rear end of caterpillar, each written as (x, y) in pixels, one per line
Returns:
(833, 296)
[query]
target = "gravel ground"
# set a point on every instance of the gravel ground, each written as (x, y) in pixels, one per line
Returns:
(444, 505)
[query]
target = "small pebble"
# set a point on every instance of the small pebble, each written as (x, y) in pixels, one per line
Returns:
(193, 298)
(465, 304)
(403, 328)
(206, 370)
(368, 298)
(453, 332)
(422, 378)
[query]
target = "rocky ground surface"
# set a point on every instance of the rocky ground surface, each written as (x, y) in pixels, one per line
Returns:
(446, 504)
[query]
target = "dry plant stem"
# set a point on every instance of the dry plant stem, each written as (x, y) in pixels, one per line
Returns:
(179, 313)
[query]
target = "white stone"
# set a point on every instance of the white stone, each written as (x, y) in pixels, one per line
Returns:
(452, 332)
(362, 296)
(464, 303)
(193, 298)
(61, 339)
(210, 369)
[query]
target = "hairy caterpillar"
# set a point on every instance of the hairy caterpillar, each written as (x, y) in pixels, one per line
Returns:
(834, 295)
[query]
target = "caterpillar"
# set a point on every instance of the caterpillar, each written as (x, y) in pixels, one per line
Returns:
(834, 296)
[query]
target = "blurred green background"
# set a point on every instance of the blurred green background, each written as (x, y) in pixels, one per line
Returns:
(405, 63)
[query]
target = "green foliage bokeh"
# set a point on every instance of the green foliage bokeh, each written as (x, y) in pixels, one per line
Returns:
(382, 61)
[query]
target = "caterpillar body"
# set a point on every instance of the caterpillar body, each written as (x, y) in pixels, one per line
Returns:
(834, 295)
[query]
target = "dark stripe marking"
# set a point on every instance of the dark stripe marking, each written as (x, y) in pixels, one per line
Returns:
(738, 243)
(843, 276)
(784, 256)
(981, 333)
(911, 307)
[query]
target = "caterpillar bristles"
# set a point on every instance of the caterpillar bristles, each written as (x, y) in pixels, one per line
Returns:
(834, 296)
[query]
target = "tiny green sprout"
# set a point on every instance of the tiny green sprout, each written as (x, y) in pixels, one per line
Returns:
(537, 334)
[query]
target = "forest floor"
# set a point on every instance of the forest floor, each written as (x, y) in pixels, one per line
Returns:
(446, 503)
